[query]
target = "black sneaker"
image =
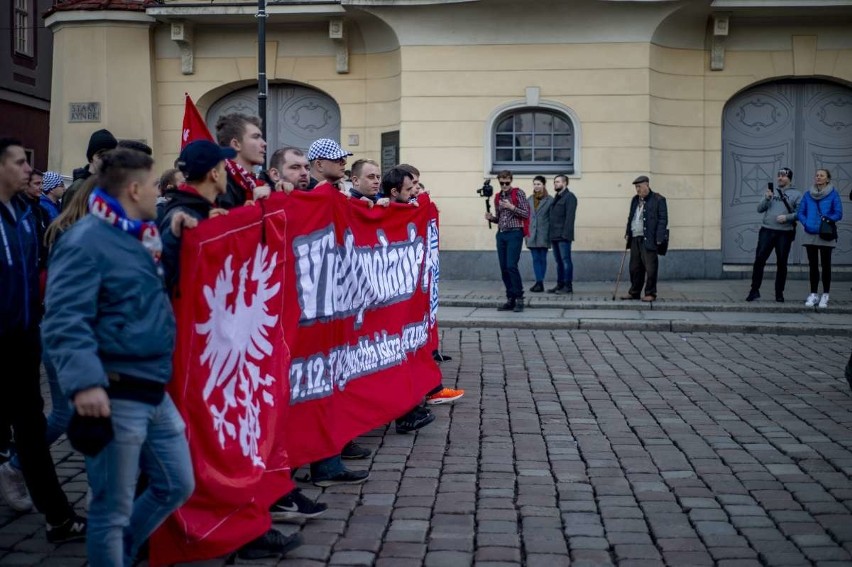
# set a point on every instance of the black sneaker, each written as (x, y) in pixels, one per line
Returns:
(440, 357)
(344, 477)
(556, 289)
(537, 288)
(353, 450)
(519, 306)
(72, 529)
(752, 295)
(272, 544)
(414, 420)
(508, 306)
(779, 297)
(296, 506)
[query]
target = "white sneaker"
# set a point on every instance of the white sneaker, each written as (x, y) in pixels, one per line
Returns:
(823, 302)
(13, 488)
(811, 300)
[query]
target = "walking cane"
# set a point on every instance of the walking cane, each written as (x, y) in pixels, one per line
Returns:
(618, 278)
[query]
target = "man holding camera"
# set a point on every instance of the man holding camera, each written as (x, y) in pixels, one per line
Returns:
(777, 232)
(513, 220)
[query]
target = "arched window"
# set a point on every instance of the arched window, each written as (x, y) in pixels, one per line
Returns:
(533, 140)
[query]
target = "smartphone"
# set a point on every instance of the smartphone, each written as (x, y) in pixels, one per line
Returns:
(770, 186)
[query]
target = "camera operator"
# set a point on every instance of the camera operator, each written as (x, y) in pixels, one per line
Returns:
(513, 219)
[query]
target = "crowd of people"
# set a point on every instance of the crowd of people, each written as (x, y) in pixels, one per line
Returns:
(90, 271)
(546, 222)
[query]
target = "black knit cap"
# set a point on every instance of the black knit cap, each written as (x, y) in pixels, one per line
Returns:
(100, 140)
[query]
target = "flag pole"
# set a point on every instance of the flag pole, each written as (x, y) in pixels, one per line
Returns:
(261, 65)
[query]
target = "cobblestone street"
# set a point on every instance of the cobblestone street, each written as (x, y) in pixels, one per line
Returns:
(588, 448)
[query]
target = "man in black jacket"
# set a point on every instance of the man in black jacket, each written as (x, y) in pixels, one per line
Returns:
(101, 141)
(646, 233)
(563, 211)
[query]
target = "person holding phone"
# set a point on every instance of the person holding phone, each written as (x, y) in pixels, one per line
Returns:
(777, 232)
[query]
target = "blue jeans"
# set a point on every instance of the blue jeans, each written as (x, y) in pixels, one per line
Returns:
(539, 258)
(60, 415)
(564, 265)
(327, 468)
(147, 437)
(509, 254)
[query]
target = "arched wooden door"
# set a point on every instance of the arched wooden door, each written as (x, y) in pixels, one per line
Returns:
(804, 125)
(296, 115)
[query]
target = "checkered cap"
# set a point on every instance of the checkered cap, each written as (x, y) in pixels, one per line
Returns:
(325, 148)
(51, 181)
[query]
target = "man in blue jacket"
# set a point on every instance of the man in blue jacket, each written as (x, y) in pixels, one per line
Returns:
(110, 331)
(20, 350)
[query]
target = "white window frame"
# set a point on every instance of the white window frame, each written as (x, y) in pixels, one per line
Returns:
(530, 104)
(22, 24)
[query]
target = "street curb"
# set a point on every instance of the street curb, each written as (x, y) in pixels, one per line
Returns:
(670, 326)
(692, 306)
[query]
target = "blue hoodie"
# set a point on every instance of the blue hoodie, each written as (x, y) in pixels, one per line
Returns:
(19, 300)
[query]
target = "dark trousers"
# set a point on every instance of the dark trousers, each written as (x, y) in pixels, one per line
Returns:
(817, 254)
(509, 254)
(22, 402)
(643, 268)
(768, 240)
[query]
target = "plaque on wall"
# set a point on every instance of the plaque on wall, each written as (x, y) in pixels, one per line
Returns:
(390, 150)
(84, 112)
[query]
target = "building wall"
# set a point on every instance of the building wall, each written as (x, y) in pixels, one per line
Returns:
(25, 82)
(634, 74)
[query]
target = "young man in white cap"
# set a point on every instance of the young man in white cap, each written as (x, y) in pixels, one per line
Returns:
(328, 163)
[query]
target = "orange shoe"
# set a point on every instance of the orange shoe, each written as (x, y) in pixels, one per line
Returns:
(445, 396)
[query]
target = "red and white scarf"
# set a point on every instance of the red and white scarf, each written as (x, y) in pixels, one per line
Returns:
(242, 177)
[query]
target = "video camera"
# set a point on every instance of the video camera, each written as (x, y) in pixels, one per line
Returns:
(487, 191)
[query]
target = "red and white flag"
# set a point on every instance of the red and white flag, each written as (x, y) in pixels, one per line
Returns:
(194, 127)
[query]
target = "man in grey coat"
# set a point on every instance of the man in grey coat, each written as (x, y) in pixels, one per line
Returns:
(777, 232)
(562, 215)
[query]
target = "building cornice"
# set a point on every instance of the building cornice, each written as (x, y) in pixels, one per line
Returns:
(733, 4)
(90, 16)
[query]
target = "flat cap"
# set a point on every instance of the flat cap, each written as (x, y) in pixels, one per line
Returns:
(641, 179)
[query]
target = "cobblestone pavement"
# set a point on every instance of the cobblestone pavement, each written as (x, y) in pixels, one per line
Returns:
(589, 448)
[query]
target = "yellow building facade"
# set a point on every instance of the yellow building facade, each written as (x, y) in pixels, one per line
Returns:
(707, 97)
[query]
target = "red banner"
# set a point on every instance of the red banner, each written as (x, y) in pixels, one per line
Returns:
(303, 321)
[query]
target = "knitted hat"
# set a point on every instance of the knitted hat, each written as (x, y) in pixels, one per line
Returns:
(100, 140)
(51, 181)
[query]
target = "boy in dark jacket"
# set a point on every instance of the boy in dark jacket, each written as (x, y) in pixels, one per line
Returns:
(20, 349)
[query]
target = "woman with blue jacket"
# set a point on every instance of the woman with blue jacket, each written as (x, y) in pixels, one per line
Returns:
(821, 202)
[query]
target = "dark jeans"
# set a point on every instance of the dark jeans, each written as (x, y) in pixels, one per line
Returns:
(643, 268)
(768, 240)
(22, 403)
(564, 265)
(539, 261)
(849, 371)
(815, 255)
(509, 254)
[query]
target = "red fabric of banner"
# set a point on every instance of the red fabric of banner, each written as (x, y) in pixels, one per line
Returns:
(360, 289)
(296, 334)
(229, 382)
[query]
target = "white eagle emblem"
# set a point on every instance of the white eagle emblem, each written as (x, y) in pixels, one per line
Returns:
(237, 342)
